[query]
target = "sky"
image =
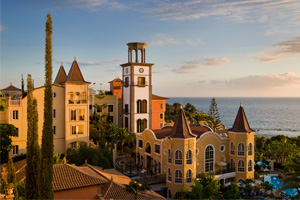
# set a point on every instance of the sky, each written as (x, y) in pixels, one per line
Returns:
(200, 48)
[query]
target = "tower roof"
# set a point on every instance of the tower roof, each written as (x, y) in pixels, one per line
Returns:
(61, 76)
(11, 88)
(241, 123)
(181, 129)
(75, 75)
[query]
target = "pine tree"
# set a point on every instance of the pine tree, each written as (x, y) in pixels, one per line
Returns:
(46, 173)
(213, 112)
(11, 176)
(33, 149)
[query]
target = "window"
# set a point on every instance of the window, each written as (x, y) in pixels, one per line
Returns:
(232, 151)
(141, 81)
(91, 107)
(141, 125)
(161, 116)
(99, 108)
(15, 150)
(241, 166)
(148, 148)
(169, 156)
(157, 148)
(74, 145)
(126, 81)
(53, 95)
(141, 143)
(78, 129)
(77, 97)
(141, 106)
(178, 157)
(71, 98)
(250, 149)
(54, 113)
(169, 175)
(144, 106)
(241, 149)
(73, 115)
(189, 157)
(161, 106)
(126, 109)
(110, 108)
(126, 122)
(15, 114)
(83, 97)
(189, 176)
(209, 159)
(222, 148)
(178, 176)
(110, 119)
(17, 132)
(81, 114)
(250, 166)
(54, 130)
(232, 167)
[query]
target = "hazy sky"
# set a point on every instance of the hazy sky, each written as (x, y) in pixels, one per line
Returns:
(201, 48)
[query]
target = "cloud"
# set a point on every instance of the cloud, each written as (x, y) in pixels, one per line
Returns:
(290, 47)
(260, 11)
(193, 42)
(2, 28)
(95, 4)
(260, 82)
(191, 66)
(162, 39)
(84, 64)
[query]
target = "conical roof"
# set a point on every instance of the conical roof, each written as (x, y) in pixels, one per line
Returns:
(75, 75)
(61, 76)
(181, 129)
(241, 123)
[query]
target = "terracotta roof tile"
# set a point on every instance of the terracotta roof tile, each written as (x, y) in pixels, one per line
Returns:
(155, 97)
(75, 75)
(241, 123)
(11, 88)
(61, 76)
(181, 129)
(165, 131)
(68, 177)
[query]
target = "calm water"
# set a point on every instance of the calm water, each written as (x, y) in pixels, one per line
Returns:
(268, 116)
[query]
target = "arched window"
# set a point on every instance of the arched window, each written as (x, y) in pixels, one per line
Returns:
(139, 125)
(209, 159)
(71, 98)
(169, 156)
(144, 124)
(139, 106)
(178, 176)
(241, 149)
(232, 151)
(189, 176)
(232, 167)
(241, 166)
(250, 166)
(189, 157)
(148, 148)
(250, 152)
(83, 97)
(158, 164)
(169, 175)
(178, 157)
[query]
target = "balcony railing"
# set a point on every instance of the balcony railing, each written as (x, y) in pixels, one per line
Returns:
(14, 102)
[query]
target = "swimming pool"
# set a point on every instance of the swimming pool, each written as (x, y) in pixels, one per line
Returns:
(274, 180)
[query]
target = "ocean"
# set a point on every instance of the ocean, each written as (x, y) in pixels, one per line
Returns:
(268, 116)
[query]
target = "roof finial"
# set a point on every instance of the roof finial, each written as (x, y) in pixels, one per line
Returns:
(61, 63)
(181, 103)
(241, 103)
(74, 57)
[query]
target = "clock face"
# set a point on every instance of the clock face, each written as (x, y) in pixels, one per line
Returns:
(141, 70)
(126, 70)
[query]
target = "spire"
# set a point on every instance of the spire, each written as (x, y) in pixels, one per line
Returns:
(61, 76)
(241, 123)
(75, 74)
(181, 129)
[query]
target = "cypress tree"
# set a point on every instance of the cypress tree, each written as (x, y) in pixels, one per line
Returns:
(11, 176)
(46, 173)
(33, 149)
(22, 83)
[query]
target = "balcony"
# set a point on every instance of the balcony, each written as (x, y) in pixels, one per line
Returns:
(225, 173)
(14, 102)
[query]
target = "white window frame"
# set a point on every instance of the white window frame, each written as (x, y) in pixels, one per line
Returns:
(241, 149)
(15, 150)
(241, 166)
(188, 176)
(178, 177)
(169, 156)
(15, 115)
(189, 157)
(250, 166)
(250, 149)
(232, 148)
(169, 175)
(178, 157)
(210, 161)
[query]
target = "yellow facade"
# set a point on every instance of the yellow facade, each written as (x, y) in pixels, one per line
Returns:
(210, 151)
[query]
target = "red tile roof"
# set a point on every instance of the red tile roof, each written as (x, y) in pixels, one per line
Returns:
(165, 131)
(155, 97)
(11, 88)
(61, 76)
(75, 75)
(67, 177)
(241, 123)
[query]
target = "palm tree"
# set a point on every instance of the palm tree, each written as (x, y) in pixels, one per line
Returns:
(291, 177)
(267, 186)
(135, 188)
(124, 136)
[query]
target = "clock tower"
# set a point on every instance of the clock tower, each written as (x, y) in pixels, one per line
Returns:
(137, 89)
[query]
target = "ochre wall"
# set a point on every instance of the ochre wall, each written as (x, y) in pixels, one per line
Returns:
(79, 193)
(156, 111)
